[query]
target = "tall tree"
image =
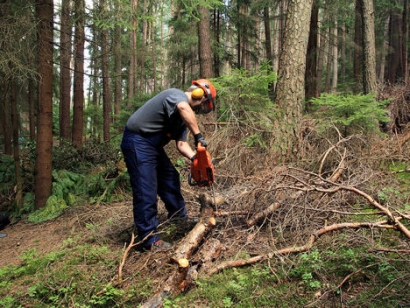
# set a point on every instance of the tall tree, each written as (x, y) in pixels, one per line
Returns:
(290, 91)
(132, 70)
(79, 41)
(16, 146)
(107, 104)
(369, 46)
(204, 44)
(43, 166)
(358, 38)
(312, 54)
(65, 69)
(117, 69)
(394, 69)
(405, 48)
(268, 45)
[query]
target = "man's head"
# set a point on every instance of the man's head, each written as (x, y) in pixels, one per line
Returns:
(204, 91)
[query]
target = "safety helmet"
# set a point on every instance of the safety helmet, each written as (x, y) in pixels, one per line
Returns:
(208, 90)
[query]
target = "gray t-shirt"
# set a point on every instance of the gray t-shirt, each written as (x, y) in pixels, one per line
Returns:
(160, 115)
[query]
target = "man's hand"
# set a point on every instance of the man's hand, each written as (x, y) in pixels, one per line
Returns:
(200, 139)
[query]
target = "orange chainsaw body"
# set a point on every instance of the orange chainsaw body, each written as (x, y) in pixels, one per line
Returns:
(202, 168)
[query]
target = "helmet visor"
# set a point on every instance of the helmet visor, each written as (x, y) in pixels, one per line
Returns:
(207, 105)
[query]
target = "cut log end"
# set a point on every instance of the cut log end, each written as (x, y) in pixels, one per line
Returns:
(183, 262)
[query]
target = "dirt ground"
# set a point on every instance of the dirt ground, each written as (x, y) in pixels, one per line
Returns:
(112, 223)
(48, 236)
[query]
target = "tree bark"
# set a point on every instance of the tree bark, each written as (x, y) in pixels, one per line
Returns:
(312, 55)
(357, 59)
(107, 104)
(78, 112)
(393, 71)
(43, 165)
(117, 70)
(204, 44)
(6, 120)
(290, 92)
(369, 46)
(268, 47)
(16, 146)
(133, 52)
(335, 57)
(65, 70)
(405, 49)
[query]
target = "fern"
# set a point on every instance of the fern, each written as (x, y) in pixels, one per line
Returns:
(53, 208)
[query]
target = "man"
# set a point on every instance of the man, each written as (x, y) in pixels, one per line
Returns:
(164, 117)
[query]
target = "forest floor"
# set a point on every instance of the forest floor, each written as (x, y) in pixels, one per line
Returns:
(311, 210)
(332, 231)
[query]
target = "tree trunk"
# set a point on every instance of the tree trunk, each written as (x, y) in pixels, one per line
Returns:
(328, 60)
(343, 61)
(204, 44)
(107, 105)
(268, 47)
(384, 50)
(142, 79)
(65, 70)
(32, 107)
(217, 27)
(335, 57)
(405, 49)
(117, 70)
(369, 46)
(16, 147)
(394, 49)
(133, 52)
(290, 89)
(78, 112)
(320, 59)
(311, 55)
(44, 146)
(6, 121)
(357, 60)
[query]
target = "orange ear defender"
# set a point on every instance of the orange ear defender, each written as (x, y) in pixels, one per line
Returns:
(197, 93)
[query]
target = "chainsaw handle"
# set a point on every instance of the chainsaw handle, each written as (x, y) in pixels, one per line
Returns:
(190, 180)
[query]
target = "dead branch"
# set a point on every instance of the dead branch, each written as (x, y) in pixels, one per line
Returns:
(389, 250)
(225, 213)
(125, 255)
(297, 249)
(395, 220)
(339, 170)
(330, 150)
(269, 210)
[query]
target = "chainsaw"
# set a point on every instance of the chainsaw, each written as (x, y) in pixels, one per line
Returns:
(202, 168)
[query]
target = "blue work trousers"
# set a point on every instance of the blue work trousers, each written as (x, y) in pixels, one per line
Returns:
(151, 174)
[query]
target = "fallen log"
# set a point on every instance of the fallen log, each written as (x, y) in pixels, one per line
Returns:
(193, 239)
(183, 276)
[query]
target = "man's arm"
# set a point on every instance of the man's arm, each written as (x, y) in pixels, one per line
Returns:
(188, 115)
(184, 148)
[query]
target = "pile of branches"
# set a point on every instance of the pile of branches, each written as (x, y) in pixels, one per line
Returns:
(300, 206)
